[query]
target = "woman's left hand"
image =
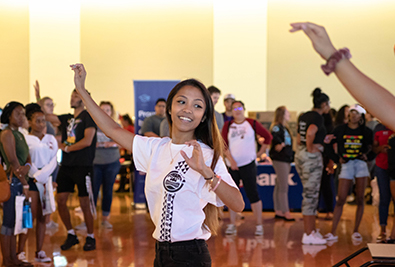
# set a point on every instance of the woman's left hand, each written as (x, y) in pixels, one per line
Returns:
(196, 162)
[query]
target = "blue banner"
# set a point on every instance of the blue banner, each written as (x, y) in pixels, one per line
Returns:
(266, 179)
(145, 95)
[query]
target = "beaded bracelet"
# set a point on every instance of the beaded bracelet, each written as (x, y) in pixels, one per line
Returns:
(218, 182)
(331, 62)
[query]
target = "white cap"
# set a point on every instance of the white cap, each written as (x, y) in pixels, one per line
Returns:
(229, 96)
(358, 109)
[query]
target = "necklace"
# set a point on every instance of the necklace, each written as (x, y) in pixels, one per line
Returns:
(171, 154)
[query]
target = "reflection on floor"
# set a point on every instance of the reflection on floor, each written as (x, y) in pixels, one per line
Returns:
(130, 242)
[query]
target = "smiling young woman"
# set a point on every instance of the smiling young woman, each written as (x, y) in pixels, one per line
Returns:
(186, 177)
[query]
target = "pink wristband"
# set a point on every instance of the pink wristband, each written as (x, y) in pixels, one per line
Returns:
(331, 62)
(218, 182)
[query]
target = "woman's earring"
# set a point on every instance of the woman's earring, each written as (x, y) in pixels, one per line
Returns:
(169, 112)
(203, 119)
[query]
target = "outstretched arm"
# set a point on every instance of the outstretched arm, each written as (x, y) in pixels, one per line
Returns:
(362, 88)
(103, 121)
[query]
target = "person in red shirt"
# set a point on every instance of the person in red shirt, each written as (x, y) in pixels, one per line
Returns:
(380, 147)
(127, 123)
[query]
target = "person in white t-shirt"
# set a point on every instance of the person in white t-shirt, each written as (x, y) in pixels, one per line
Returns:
(186, 177)
(42, 149)
(240, 136)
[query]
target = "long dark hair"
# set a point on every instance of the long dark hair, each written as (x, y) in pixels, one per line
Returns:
(207, 132)
(339, 119)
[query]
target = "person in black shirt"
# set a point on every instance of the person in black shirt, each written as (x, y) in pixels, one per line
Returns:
(352, 143)
(282, 155)
(78, 146)
(309, 164)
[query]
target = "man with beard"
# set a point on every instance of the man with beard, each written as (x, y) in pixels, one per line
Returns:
(78, 151)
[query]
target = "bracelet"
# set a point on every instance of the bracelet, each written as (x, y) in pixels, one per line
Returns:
(216, 186)
(331, 62)
(208, 179)
(28, 164)
(26, 186)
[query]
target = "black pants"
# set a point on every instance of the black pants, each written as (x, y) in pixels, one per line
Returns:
(185, 253)
(326, 188)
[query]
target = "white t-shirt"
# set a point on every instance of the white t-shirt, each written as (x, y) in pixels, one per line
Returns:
(43, 155)
(241, 139)
(176, 194)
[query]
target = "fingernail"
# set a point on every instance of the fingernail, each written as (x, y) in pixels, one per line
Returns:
(304, 27)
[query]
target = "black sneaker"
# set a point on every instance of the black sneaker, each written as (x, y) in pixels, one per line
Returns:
(70, 241)
(90, 244)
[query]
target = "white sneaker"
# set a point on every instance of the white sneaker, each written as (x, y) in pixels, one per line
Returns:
(313, 239)
(42, 257)
(259, 230)
(356, 236)
(52, 225)
(317, 233)
(231, 229)
(81, 226)
(22, 256)
(106, 224)
(330, 237)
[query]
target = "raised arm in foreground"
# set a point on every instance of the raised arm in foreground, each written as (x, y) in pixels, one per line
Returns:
(103, 121)
(375, 98)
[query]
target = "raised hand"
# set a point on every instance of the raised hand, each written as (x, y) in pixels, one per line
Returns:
(318, 36)
(36, 86)
(79, 76)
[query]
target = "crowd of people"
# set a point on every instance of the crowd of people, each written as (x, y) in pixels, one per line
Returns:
(195, 160)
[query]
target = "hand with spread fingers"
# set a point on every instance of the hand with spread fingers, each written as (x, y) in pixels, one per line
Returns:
(318, 36)
(196, 161)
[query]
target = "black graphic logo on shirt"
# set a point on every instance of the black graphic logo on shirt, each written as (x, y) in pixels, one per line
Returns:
(172, 183)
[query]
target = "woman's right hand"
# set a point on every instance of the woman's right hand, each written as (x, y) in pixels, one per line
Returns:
(233, 165)
(318, 36)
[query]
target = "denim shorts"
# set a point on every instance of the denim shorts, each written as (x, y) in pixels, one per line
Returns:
(9, 208)
(355, 168)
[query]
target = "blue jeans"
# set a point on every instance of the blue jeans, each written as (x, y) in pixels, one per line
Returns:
(184, 253)
(9, 207)
(383, 181)
(105, 174)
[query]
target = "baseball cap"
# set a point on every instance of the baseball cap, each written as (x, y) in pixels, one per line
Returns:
(358, 109)
(229, 96)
